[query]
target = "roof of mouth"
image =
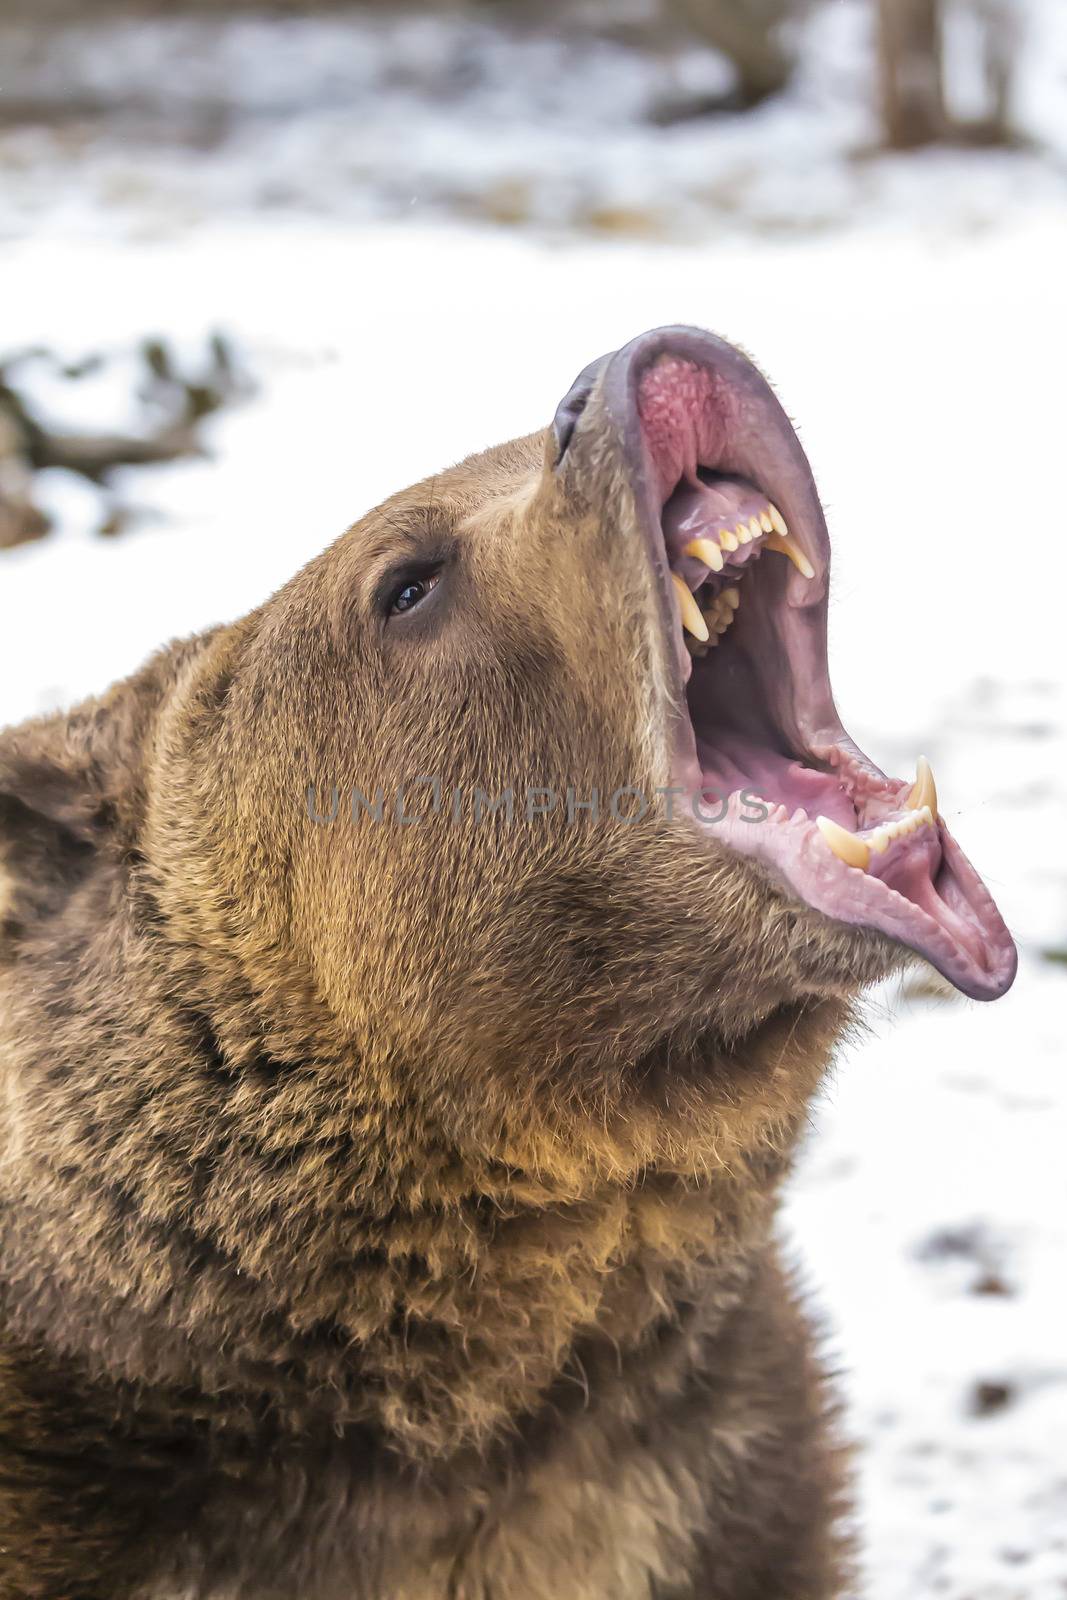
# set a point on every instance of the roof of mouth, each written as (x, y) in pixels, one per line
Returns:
(680, 405)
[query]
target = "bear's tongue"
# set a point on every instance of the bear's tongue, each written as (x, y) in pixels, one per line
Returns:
(712, 504)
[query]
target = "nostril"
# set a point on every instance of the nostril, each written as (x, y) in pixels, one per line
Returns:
(573, 404)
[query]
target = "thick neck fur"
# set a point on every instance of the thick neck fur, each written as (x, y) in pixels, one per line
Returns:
(186, 1210)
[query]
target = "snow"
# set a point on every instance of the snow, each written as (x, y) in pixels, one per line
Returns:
(920, 343)
(374, 115)
(936, 1168)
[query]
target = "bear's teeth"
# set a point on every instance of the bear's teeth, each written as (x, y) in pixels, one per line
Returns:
(845, 846)
(788, 547)
(856, 851)
(705, 550)
(925, 791)
(692, 621)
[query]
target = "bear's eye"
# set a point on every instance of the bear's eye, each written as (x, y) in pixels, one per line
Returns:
(412, 592)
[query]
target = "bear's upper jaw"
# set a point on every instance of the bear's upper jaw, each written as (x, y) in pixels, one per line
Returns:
(738, 541)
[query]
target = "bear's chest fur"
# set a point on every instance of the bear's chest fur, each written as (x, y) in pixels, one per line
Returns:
(645, 1462)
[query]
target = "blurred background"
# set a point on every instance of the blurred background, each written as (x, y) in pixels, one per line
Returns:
(259, 267)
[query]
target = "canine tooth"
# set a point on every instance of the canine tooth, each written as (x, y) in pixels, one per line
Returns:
(924, 792)
(777, 520)
(732, 596)
(765, 521)
(845, 846)
(692, 621)
(743, 533)
(705, 550)
(754, 527)
(786, 547)
(728, 539)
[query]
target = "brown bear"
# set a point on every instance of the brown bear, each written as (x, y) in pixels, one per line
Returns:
(410, 998)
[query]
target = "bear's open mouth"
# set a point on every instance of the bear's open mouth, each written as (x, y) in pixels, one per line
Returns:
(738, 541)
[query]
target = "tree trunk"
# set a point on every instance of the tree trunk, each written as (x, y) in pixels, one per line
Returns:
(909, 69)
(1002, 31)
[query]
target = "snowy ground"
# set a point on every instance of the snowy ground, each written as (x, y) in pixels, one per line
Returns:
(922, 355)
(550, 125)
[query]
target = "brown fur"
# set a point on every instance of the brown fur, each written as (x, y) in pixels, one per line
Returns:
(387, 1210)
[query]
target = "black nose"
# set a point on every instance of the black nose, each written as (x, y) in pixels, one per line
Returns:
(573, 403)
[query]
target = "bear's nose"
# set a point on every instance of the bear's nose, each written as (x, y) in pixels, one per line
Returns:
(574, 401)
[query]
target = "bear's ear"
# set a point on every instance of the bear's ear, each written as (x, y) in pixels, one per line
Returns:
(72, 785)
(46, 784)
(53, 817)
